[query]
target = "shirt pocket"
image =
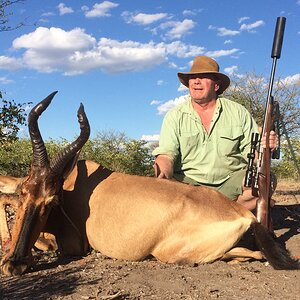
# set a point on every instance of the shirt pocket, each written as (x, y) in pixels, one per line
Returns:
(188, 144)
(230, 139)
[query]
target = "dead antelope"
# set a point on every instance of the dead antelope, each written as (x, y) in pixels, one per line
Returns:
(124, 216)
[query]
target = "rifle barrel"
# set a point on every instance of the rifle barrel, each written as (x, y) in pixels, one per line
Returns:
(278, 37)
(276, 52)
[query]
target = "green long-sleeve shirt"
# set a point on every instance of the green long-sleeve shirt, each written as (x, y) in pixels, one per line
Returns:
(208, 158)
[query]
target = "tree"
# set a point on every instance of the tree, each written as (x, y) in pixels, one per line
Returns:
(12, 116)
(16, 157)
(111, 150)
(286, 168)
(115, 151)
(251, 90)
(4, 15)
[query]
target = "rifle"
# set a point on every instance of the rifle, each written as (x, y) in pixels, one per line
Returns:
(258, 176)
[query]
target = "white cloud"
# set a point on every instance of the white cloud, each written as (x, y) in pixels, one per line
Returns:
(219, 53)
(63, 9)
(143, 19)
(47, 14)
(75, 52)
(172, 65)
(160, 82)
(42, 20)
(250, 27)
(182, 88)
(10, 63)
(99, 9)
(150, 138)
(49, 49)
(115, 57)
(188, 12)
(228, 42)
(227, 32)
(193, 12)
(169, 30)
(155, 102)
(5, 80)
(55, 38)
(242, 19)
(222, 31)
(291, 80)
(175, 29)
(231, 70)
(182, 50)
(163, 108)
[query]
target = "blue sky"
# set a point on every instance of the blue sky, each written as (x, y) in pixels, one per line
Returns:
(121, 58)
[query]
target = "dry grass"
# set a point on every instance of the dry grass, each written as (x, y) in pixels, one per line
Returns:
(288, 191)
(288, 184)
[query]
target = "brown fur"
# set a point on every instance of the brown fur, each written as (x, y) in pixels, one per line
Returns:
(131, 217)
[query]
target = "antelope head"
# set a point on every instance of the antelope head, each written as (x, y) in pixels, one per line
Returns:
(42, 190)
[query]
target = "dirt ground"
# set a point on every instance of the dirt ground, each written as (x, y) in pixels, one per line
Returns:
(99, 277)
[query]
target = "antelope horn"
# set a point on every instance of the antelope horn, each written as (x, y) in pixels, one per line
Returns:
(40, 157)
(62, 158)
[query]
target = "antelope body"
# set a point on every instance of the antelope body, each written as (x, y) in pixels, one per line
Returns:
(125, 216)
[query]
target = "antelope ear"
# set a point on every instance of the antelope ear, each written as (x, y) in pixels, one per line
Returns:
(9, 184)
(71, 165)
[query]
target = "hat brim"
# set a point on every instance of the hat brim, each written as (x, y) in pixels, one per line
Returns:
(224, 79)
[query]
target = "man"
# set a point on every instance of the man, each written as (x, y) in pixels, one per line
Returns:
(206, 139)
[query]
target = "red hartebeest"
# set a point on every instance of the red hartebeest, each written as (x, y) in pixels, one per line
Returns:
(125, 216)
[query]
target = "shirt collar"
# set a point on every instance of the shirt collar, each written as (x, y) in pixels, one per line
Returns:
(188, 107)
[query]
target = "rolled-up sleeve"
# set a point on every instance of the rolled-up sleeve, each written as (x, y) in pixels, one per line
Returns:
(168, 141)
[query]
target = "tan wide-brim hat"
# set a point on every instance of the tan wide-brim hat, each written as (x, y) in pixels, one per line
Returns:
(205, 65)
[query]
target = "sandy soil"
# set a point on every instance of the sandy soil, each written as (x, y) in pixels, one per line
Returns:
(99, 277)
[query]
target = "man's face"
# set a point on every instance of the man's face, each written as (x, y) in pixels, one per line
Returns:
(203, 87)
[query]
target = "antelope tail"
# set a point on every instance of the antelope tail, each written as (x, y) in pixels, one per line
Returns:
(275, 253)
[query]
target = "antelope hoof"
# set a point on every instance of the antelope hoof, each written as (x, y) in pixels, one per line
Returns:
(14, 268)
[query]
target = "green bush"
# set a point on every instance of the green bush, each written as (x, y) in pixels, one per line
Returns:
(111, 150)
(118, 153)
(288, 166)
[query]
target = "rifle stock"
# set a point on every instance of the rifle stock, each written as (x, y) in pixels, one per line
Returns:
(259, 177)
(263, 184)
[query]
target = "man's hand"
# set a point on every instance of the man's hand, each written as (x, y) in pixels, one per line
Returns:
(273, 140)
(163, 166)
